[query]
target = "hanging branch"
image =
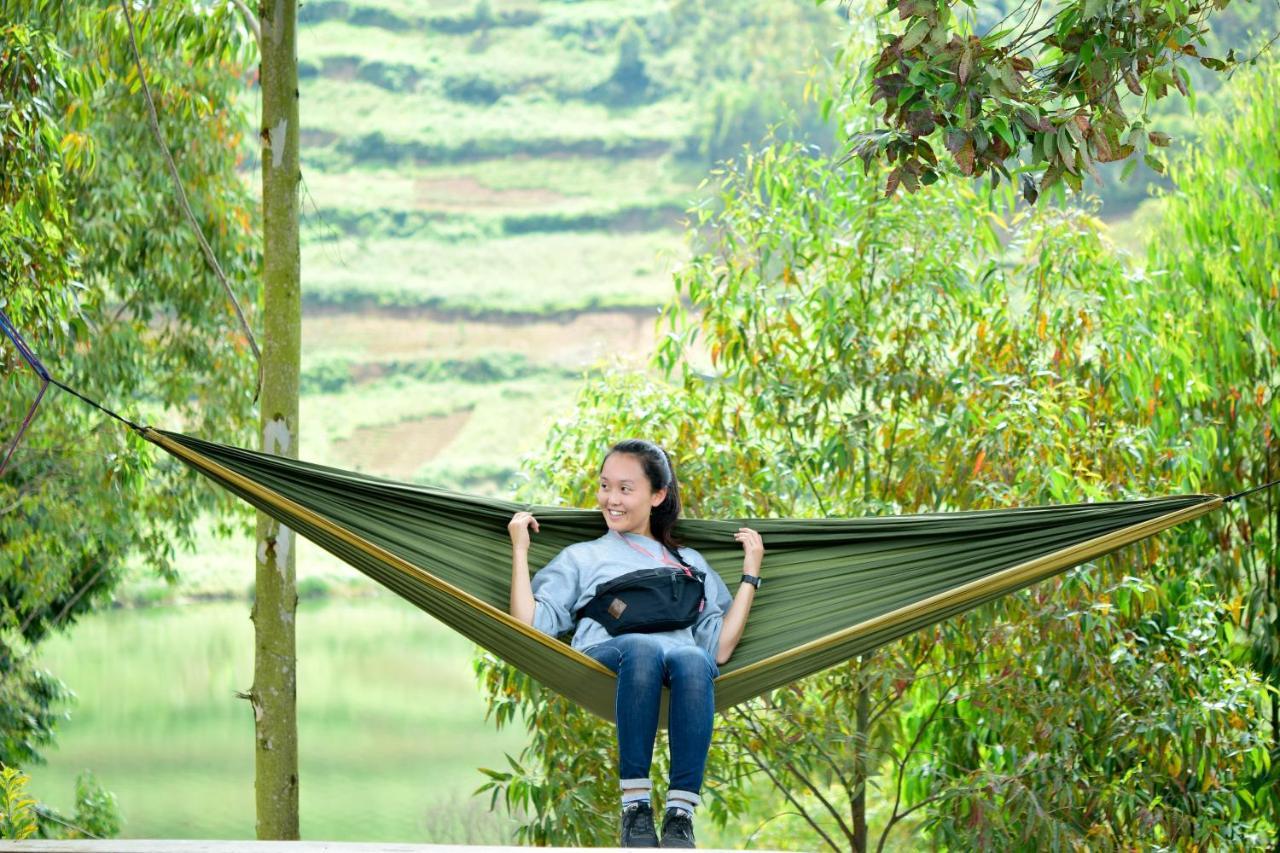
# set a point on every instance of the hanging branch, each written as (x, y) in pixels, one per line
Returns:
(209, 257)
(251, 20)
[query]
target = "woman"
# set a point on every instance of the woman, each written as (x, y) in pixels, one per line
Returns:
(639, 497)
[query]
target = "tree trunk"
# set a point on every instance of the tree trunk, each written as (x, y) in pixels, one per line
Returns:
(861, 742)
(275, 603)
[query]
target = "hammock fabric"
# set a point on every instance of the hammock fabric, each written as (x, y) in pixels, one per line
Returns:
(835, 588)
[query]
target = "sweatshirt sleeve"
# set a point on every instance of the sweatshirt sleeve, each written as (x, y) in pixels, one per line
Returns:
(555, 592)
(706, 631)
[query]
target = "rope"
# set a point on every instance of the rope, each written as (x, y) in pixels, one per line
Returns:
(50, 814)
(30, 358)
(121, 418)
(1247, 492)
(28, 355)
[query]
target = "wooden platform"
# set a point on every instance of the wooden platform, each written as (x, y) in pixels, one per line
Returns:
(149, 845)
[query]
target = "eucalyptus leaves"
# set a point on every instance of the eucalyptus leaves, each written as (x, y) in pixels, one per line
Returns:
(1045, 94)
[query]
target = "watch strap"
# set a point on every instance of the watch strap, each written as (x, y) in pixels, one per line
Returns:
(751, 579)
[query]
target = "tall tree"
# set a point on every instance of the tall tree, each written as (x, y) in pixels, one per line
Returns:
(1215, 241)
(101, 271)
(865, 358)
(829, 354)
(275, 662)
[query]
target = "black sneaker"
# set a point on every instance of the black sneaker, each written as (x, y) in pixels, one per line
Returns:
(637, 826)
(677, 829)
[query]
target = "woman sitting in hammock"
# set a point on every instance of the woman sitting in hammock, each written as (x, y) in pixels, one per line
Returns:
(639, 497)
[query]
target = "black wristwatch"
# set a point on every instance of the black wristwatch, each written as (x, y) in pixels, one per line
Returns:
(754, 581)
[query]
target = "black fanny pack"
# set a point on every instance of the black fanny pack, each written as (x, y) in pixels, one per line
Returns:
(648, 600)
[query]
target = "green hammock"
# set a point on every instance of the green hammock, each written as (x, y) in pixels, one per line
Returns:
(835, 587)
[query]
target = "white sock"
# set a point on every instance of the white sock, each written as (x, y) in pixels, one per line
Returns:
(640, 797)
(682, 805)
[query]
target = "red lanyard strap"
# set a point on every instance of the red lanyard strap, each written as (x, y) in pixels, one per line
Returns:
(663, 556)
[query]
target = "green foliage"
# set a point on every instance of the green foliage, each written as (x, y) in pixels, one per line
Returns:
(334, 375)
(630, 78)
(750, 67)
(21, 817)
(471, 89)
(834, 355)
(556, 794)
(29, 700)
(17, 808)
(1039, 93)
(128, 314)
(519, 275)
(37, 249)
(1156, 745)
(97, 815)
(1214, 251)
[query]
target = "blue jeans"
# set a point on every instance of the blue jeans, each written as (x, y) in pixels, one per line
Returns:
(644, 665)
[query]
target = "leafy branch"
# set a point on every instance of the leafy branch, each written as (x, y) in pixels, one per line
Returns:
(209, 256)
(1041, 98)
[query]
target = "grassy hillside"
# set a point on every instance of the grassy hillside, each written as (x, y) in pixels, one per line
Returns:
(493, 204)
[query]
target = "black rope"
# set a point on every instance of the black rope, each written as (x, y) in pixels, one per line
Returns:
(1229, 498)
(121, 418)
(29, 356)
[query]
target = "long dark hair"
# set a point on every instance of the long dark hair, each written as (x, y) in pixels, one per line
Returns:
(660, 471)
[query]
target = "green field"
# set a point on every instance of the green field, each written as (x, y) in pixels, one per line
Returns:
(391, 726)
(485, 223)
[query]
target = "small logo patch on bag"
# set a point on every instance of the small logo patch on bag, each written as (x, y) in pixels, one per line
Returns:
(616, 607)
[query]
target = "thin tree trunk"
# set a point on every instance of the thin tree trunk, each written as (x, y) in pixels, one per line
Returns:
(861, 740)
(275, 665)
(1273, 587)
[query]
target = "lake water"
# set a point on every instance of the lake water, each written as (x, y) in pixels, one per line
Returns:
(390, 718)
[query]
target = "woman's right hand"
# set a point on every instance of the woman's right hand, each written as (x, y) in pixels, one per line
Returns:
(522, 601)
(519, 527)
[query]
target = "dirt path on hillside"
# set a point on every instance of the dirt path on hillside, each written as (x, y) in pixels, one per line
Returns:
(398, 450)
(575, 341)
(466, 193)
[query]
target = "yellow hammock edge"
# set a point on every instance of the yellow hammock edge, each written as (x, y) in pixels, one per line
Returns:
(1006, 580)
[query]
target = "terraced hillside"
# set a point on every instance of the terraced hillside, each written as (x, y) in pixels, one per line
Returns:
(493, 200)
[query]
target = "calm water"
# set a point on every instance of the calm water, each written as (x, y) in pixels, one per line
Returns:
(391, 723)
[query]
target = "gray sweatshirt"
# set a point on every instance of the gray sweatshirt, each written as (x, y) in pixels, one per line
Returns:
(569, 581)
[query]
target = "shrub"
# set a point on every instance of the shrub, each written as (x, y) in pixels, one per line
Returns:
(17, 808)
(471, 89)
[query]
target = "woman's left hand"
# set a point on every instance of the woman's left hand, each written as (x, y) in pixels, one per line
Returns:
(752, 550)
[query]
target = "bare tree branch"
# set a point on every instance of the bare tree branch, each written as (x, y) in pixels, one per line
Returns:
(811, 744)
(895, 817)
(250, 20)
(777, 783)
(31, 617)
(209, 257)
(57, 620)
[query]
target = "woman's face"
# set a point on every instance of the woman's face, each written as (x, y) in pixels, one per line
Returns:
(626, 499)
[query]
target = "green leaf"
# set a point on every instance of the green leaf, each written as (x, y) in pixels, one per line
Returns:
(914, 35)
(1001, 126)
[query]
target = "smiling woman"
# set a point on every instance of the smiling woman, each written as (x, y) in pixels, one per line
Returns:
(678, 643)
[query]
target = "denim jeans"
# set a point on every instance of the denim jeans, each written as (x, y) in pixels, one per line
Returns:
(644, 665)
